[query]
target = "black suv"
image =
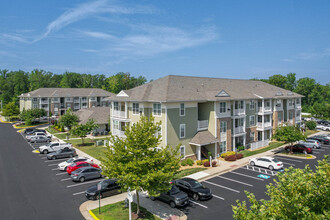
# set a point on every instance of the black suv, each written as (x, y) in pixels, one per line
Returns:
(109, 187)
(174, 197)
(321, 139)
(193, 188)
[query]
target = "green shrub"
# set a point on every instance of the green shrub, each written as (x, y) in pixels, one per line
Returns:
(62, 128)
(203, 161)
(199, 162)
(311, 125)
(223, 155)
(184, 163)
(240, 148)
(190, 162)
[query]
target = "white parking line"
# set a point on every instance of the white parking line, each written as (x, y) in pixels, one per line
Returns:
(218, 197)
(289, 163)
(54, 169)
(235, 181)
(234, 190)
(281, 158)
(318, 149)
(43, 157)
(66, 179)
(247, 176)
(198, 204)
(55, 164)
(47, 161)
(78, 184)
(78, 193)
(316, 152)
(57, 174)
(258, 170)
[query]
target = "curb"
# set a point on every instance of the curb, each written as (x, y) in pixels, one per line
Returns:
(94, 216)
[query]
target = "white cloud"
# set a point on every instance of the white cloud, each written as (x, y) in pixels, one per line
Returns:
(100, 35)
(12, 37)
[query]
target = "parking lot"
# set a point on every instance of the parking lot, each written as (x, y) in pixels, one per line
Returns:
(229, 187)
(76, 189)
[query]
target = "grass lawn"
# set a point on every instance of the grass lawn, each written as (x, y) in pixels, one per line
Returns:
(118, 211)
(89, 148)
(187, 172)
(309, 132)
(33, 125)
(63, 136)
(52, 130)
(271, 146)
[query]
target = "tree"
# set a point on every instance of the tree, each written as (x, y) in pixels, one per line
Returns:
(311, 125)
(123, 81)
(291, 81)
(278, 80)
(297, 194)
(69, 119)
(10, 110)
(82, 130)
(138, 163)
(288, 134)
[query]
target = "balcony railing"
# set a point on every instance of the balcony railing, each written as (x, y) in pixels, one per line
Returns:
(264, 125)
(119, 113)
(44, 102)
(76, 100)
(55, 101)
(259, 144)
(118, 133)
(203, 125)
(239, 130)
(83, 100)
(240, 111)
(265, 109)
(298, 106)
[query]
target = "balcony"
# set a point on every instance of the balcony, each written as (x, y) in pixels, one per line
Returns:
(55, 100)
(76, 100)
(118, 133)
(265, 125)
(44, 102)
(298, 106)
(240, 111)
(83, 100)
(77, 107)
(203, 125)
(119, 113)
(239, 130)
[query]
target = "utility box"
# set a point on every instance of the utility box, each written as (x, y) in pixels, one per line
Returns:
(99, 143)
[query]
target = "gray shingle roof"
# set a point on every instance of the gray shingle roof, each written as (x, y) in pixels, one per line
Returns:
(186, 88)
(100, 115)
(203, 138)
(67, 92)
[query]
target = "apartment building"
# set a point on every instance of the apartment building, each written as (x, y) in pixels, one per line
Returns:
(57, 100)
(207, 114)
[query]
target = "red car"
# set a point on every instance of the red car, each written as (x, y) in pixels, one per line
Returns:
(299, 148)
(78, 165)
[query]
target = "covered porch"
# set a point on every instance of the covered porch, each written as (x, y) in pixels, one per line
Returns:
(205, 142)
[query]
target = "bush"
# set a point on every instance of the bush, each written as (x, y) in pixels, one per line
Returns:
(239, 156)
(199, 162)
(311, 125)
(184, 163)
(207, 163)
(203, 161)
(223, 155)
(230, 157)
(240, 148)
(190, 162)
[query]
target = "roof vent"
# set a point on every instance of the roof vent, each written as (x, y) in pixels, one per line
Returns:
(278, 93)
(290, 93)
(223, 93)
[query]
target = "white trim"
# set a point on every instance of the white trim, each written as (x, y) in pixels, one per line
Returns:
(122, 94)
(138, 113)
(253, 120)
(184, 109)
(166, 125)
(184, 126)
(215, 119)
(154, 111)
(184, 151)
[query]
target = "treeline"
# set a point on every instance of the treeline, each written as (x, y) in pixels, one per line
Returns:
(14, 83)
(317, 96)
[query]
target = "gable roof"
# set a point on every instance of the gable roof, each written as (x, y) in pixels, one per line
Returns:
(67, 92)
(202, 138)
(186, 88)
(101, 115)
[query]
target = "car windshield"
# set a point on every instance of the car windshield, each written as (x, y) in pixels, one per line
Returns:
(275, 160)
(47, 145)
(195, 184)
(104, 184)
(70, 160)
(174, 190)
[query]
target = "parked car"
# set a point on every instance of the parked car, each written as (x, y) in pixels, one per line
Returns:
(29, 131)
(193, 188)
(326, 127)
(320, 127)
(39, 139)
(86, 173)
(311, 143)
(28, 137)
(267, 162)
(321, 139)
(326, 136)
(109, 187)
(175, 197)
(65, 164)
(78, 165)
(299, 148)
(63, 153)
(53, 146)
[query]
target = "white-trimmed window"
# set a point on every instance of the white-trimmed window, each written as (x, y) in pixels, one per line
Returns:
(157, 109)
(35, 105)
(223, 146)
(279, 117)
(290, 115)
(298, 113)
(251, 105)
(182, 130)
(252, 120)
(68, 99)
(136, 108)
(290, 102)
(222, 107)
(182, 109)
(116, 124)
(298, 101)
(116, 106)
(239, 105)
(35, 99)
(252, 136)
(223, 126)
(92, 98)
(159, 133)
(267, 103)
(239, 122)
(182, 151)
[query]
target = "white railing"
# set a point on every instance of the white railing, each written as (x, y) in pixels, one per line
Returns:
(77, 107)
(119, 113)
(265, 109)
(264, 125)
(239, 130)
(55, 100)
(76, 100)
(239, 111)
(118, 133)
(223, 114)
(298, 106)
(56, 109)
(259, 144)
(83, 100)
(203, 125)
(44, 102)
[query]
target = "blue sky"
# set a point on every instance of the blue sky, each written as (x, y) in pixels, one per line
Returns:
(225, 39)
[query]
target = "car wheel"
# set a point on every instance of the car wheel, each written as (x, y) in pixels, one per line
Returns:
(65, 168)
(82, 179)
(196, 197)
(172, 204)
(271, 167)
(152, 198)
(99, 196)
(252, 163)
(71, 155)
(53, 157)
(45, 152)
(314, 146)
(304, 152)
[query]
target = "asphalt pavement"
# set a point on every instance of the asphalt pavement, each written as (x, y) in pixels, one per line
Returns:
(29, 187)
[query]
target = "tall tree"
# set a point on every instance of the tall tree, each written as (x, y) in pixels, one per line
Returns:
(81, 130)
(288, 134)
(291, 81)
(69, 119)
(122, 81)
(71, 80)
(297, 194)
(10, 109)
(138, 163)
(278, 80)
